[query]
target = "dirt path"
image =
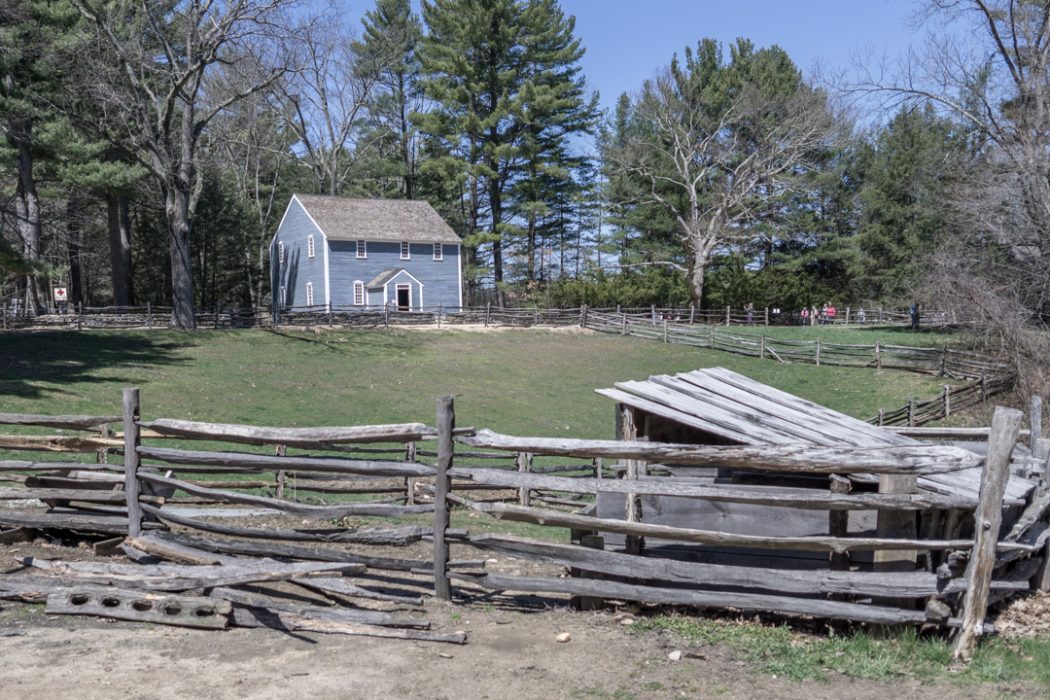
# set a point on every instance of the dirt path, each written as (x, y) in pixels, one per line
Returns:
(511, 654)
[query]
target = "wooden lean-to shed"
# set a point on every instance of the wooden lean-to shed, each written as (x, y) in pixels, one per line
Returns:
(718, 407)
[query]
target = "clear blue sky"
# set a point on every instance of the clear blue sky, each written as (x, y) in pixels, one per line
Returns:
(628, 40)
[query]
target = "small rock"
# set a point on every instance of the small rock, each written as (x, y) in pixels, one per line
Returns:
(443, 655)
(627, 621)
(460, 632)
(492, 561)
(563, 637)
(675, 655)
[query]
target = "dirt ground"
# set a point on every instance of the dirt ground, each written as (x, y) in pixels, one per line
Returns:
(512, 652)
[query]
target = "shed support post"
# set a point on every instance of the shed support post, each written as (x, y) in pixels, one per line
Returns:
(627, 430)
(1006, 424)
(446, 423)
(838, 523)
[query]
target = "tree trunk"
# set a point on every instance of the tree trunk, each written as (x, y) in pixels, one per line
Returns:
(119, 248)
(27, 207)
(74, 236)
(177, 203)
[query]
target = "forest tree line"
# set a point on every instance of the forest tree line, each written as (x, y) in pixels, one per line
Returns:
(149, 150)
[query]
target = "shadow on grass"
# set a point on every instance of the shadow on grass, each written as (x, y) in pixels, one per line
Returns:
(34, 364)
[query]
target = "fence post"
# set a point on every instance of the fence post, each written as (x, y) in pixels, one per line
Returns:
(3, 311)
(583, 316)
(1006, 423)
(692, 313)
(878, 357)
(488, 310)
(762, 347)
(80, 315)
(767, 316)
(818, 352)
(439, 315)
(623, 327)
(329, 313)
(410, 481)
(652, 312)
(131, 461)
(882, 417)
(281, 476)
(1035, 423)
(386, 316)
(947, 400)
(728, 315)
(149, 315)
(446, 423)
(524, 461)
(984, 389)
(665, 330)
(838, 522)
(944, 360)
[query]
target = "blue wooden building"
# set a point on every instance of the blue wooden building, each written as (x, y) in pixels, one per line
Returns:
(338, 252)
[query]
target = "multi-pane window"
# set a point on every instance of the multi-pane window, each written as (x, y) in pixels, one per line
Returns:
(309, 246)
(362, 249)
(309, 293)
(439, 252)
(359, 293)
(405, 255)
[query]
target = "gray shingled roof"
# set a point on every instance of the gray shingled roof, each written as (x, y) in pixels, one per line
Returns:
(347, 219)
(383, 277)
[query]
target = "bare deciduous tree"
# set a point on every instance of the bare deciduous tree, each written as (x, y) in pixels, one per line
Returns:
(154, 63)
(712, 149)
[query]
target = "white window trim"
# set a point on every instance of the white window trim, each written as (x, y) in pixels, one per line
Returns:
(309, 293)
(280, 252)
(359, 285)
(439, 252)
(310, 249)
(362, 250)
(406, 251)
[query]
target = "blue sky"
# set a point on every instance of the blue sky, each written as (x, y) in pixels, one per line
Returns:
(627, 40)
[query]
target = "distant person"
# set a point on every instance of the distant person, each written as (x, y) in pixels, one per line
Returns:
(804, 316)
(814, 316)
(750, 309)
(860, 315)
(913, 313)
(832, 312)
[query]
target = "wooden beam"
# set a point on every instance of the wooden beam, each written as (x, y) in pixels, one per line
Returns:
(92, 423)
(799, 458)
(446, 423)
(252, 435)
(141, 606)
(243, 461)
(131, 461)
(806, 543)
(1006, 423)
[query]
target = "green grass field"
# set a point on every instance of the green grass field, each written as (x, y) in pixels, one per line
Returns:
(527, 382)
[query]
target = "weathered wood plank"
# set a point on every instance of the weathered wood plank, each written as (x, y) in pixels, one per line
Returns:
(259, 617)
(745, 602)
(178, 577)
(660, 486)
(813, 543)
(363, 536)
(340, 586)
(245, 461)
(25, 465)
(290, 551)
(104, 524)
(914, 584)
(1006, 423)
(140, 606)
(798, 458)
(253, 435)
(299, 509)
(57, 443)
(328, 612)
(93, 423)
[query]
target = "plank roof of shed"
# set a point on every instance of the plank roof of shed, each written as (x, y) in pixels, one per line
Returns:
(742, 410)
(351, 219)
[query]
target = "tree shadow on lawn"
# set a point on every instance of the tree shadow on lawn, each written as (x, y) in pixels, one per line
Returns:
(58, 358)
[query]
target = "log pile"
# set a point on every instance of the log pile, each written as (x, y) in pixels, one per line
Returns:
(215, 591)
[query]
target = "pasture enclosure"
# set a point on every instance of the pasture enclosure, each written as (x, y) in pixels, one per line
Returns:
(395, 485)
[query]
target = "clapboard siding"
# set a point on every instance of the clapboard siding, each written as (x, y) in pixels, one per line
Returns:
(440, 278)
(298, 268)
